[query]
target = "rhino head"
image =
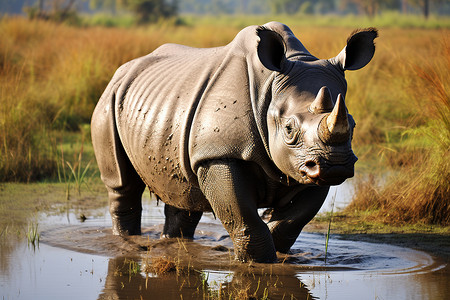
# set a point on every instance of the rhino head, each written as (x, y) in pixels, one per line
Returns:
(309, 128)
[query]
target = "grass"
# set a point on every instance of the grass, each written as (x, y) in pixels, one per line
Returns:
(52, 75)
(33, 236)
(417, 187)
(162, 265)
(327, 238)
(78, 171)
(364, 226)
(129, 268)
(387, 19)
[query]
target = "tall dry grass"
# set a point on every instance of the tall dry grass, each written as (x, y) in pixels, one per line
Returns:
(51, 77)
(416, 151)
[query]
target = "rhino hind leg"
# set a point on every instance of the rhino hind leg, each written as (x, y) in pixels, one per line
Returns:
(180, 222)
(124, 185)
(126, 209)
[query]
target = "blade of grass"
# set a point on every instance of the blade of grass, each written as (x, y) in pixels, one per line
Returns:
(329, 226)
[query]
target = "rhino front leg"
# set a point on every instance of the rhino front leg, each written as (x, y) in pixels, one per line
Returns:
(288, 221)
(233, 191)
(180, 222)
(124, 185)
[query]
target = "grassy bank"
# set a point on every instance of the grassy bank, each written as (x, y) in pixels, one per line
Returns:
(51, 76)
(433, 239)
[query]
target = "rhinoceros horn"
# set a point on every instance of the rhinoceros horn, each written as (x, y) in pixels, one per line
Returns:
(334, 128)
(322, 103)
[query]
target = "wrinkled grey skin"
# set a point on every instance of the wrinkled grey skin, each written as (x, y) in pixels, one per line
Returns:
(256, 123)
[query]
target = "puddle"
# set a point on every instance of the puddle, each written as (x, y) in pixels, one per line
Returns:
(52, 273)
(83, 260)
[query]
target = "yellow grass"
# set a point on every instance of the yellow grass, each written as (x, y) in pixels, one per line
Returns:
(418, 188)
(51, 76)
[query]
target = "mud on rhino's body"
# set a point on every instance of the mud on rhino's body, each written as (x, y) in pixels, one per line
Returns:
(228, 130)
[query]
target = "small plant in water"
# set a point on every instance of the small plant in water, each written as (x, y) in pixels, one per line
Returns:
(129, 267)
(133, 267)
(33, 235)
(329, 226)
(62, 176)
(205, 277)
(163, 265)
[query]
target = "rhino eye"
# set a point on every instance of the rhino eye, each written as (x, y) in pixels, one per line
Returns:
(290, 131)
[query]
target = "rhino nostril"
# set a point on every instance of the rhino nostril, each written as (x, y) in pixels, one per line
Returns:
(310, 164)
(312, 169)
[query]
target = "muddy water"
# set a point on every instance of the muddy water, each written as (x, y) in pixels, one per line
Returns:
(82, 260)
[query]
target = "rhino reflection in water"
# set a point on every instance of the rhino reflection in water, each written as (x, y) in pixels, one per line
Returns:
(120, 284)
(257, 123)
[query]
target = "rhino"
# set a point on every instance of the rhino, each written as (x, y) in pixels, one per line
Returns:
(257, 123)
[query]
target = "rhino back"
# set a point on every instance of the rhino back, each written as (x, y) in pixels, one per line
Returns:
(179, 107)
(154, 109)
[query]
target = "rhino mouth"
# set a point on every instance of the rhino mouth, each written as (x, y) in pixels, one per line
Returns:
(313, 172)
(336, 175)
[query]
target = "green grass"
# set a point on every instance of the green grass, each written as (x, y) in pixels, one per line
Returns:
(386, 19)
(327, 237)
(79, 171)
(108, 20)
(33, 236)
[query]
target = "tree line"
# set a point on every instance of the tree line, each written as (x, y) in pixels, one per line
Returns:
(153, 10)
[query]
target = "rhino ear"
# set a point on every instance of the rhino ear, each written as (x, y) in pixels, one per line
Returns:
(359, 50)
(271, 49)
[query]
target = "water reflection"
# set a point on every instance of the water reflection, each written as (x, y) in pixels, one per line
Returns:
(54, 273)
(123, 283)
